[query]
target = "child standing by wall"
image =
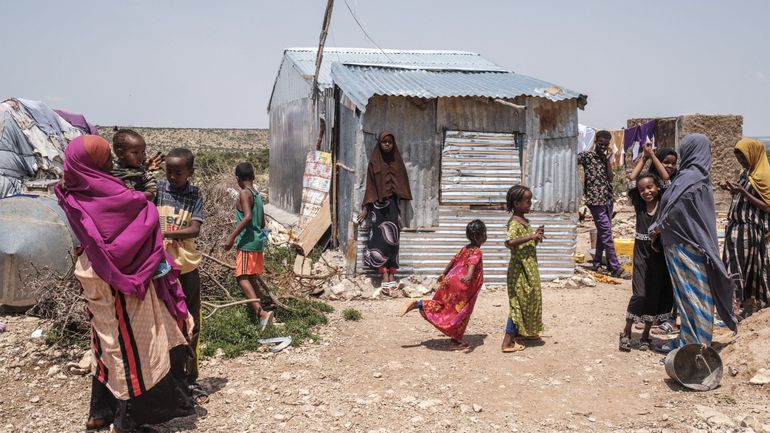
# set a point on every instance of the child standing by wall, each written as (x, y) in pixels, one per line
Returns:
(180, 205)
(652, 297)
(249, 239)
(458, 287)
(524, 294)
(130, 158)
(600, 200)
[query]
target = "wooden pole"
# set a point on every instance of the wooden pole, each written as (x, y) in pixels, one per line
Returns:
(321, 43)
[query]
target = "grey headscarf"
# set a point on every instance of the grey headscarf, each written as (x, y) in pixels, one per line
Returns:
(687, 215)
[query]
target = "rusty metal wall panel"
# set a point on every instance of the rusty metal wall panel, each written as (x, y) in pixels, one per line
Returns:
(479, 114)
(551, 155)
(347, 169)
(290, 131)
(427, 252)
(413, 122)
(478, 168)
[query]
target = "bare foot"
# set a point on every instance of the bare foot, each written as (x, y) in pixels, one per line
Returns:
(409, 306)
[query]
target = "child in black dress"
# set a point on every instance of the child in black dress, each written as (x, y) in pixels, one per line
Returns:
(652, 296)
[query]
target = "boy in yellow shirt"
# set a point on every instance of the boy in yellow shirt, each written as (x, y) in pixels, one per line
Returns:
(180, 206)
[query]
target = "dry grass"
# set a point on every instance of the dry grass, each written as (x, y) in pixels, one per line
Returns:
(60, 303)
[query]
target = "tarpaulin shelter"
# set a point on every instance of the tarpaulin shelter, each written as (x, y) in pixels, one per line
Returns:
(32, 142)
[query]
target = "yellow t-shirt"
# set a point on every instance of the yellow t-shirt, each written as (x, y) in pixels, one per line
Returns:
(178, 209)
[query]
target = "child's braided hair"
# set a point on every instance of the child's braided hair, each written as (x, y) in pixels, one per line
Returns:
(515, 193)
(475, 231)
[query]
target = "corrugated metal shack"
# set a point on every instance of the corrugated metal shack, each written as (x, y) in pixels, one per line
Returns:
(467, 128)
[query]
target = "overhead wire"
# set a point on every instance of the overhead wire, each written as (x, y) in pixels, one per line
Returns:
(366, 34)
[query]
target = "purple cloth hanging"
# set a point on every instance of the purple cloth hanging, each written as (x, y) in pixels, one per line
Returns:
(647, 131)
(78, 121)
(630, 137)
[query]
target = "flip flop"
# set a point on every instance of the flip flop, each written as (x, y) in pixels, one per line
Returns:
(279, 342)
(515, 348)
(264, 323)
(664, 328)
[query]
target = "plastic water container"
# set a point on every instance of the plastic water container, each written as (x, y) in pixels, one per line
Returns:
(34, 234)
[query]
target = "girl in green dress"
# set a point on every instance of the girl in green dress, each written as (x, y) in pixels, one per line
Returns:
(525, 321)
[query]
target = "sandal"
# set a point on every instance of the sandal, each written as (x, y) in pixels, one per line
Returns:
(665, 328)
(620, 273)
(747, 311)
(644, 345)
(624, 345)
(199, 395)
(264, 323)
(515, 348)
(455, 345)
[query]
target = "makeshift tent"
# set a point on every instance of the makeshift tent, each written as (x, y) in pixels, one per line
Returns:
(32, 142)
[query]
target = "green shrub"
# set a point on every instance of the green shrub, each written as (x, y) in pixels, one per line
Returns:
(351, 314)
(235, 330)
(279, 258)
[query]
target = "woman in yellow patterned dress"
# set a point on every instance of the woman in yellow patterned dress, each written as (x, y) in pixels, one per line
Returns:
(525, 297)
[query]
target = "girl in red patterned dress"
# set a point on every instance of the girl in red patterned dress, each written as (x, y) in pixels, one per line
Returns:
(458, 286)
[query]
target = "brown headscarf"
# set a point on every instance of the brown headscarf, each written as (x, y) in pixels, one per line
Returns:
(386, 174)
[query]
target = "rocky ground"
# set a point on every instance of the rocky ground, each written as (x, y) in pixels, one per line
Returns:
(386, 373)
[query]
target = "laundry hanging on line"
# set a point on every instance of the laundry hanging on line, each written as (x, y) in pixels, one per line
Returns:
(638, 136)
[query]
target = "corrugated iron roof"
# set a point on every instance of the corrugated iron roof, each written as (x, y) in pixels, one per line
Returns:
(304, 60)
(362, 82)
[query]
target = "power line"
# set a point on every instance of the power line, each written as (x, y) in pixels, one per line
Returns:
(355, 18)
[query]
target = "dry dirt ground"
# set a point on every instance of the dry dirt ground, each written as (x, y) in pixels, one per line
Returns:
(386, 373)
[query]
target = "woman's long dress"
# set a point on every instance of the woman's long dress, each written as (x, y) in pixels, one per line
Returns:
(381, 251)
(745, 248)
(138, 355)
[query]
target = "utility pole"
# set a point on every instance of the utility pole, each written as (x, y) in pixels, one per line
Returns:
(321, 43)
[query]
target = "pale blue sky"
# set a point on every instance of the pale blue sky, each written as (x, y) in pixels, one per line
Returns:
(212, 63)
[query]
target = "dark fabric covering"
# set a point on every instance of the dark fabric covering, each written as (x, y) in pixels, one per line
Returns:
(652, 297)
(687, 215)
(381, 250)
(152, 407)
(386, 174)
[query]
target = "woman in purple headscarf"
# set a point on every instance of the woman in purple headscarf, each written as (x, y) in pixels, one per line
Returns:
(686, 224)
(138, 315)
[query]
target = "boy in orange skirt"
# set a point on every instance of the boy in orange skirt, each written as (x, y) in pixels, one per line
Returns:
(249, 238)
